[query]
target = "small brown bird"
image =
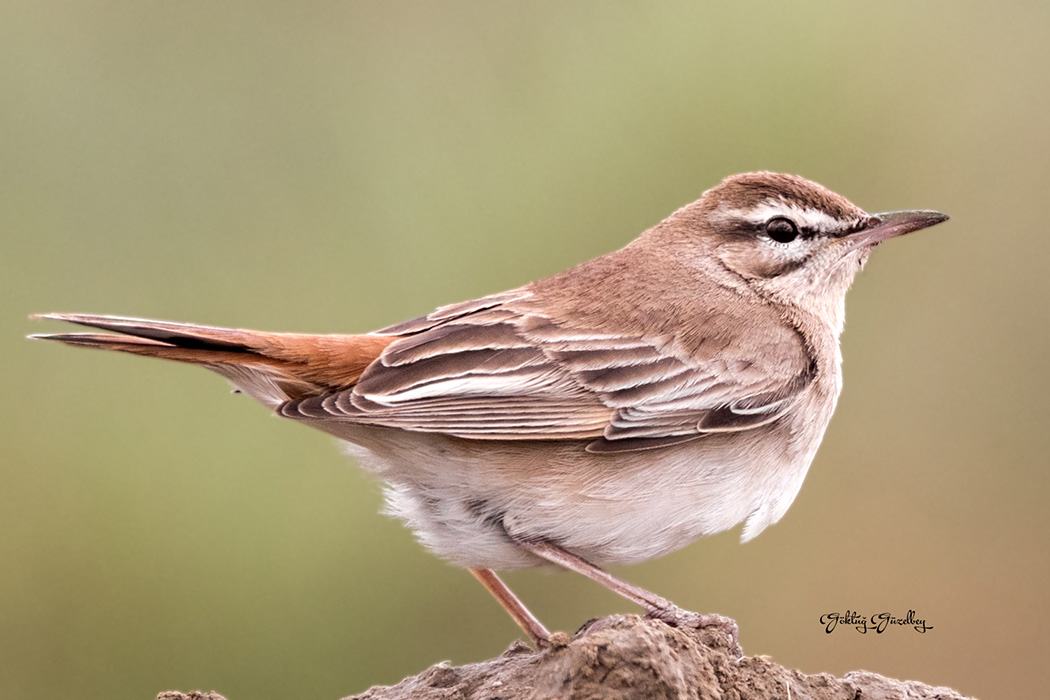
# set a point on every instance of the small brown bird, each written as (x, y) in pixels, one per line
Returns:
(606, 415)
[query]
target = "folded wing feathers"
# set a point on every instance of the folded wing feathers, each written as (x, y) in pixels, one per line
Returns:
(622, 377)
(491, 369)
(496, 386)
(450, 339)
(379, 380)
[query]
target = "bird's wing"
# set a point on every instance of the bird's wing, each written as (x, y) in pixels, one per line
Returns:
(499, 369)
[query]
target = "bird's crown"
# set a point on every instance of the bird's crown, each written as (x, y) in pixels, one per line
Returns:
(757, 198)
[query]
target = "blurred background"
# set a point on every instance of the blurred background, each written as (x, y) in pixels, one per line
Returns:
(337, 167)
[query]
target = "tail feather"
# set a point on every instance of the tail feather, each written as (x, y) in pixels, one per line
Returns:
(180, 334)
(271, 367)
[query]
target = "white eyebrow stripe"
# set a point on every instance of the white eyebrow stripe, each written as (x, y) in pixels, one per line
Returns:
(807, 218)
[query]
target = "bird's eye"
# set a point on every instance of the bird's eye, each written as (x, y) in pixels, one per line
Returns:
(781, 230)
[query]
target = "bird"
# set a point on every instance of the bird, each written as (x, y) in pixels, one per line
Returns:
(606, 415)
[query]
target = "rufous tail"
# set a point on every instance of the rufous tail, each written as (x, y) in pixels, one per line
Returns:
(270, 367)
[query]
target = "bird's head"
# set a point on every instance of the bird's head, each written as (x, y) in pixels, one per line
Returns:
(789, 239)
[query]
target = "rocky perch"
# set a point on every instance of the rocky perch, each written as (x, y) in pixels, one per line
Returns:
(627, 656)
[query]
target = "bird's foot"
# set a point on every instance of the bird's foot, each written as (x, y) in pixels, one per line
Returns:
(685, 619)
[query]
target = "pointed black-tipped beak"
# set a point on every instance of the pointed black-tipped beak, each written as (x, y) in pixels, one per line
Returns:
(892, 224)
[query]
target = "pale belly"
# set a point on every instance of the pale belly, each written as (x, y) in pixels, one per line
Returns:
(467, 501)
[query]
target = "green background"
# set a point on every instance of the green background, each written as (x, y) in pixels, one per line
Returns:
(337, 167)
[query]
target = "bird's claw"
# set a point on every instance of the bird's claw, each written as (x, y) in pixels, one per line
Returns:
(685, 619)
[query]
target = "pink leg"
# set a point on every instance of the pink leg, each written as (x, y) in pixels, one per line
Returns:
(513, 605)
(657, 607)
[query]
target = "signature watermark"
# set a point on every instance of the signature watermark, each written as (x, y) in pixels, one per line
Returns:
(877, 623)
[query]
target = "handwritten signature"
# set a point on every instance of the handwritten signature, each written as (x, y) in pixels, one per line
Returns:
(878, 623)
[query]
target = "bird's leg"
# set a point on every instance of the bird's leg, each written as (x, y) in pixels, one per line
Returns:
(657, 607)
(514, 607)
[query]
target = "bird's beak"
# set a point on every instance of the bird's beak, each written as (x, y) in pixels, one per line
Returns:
(892, 224)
